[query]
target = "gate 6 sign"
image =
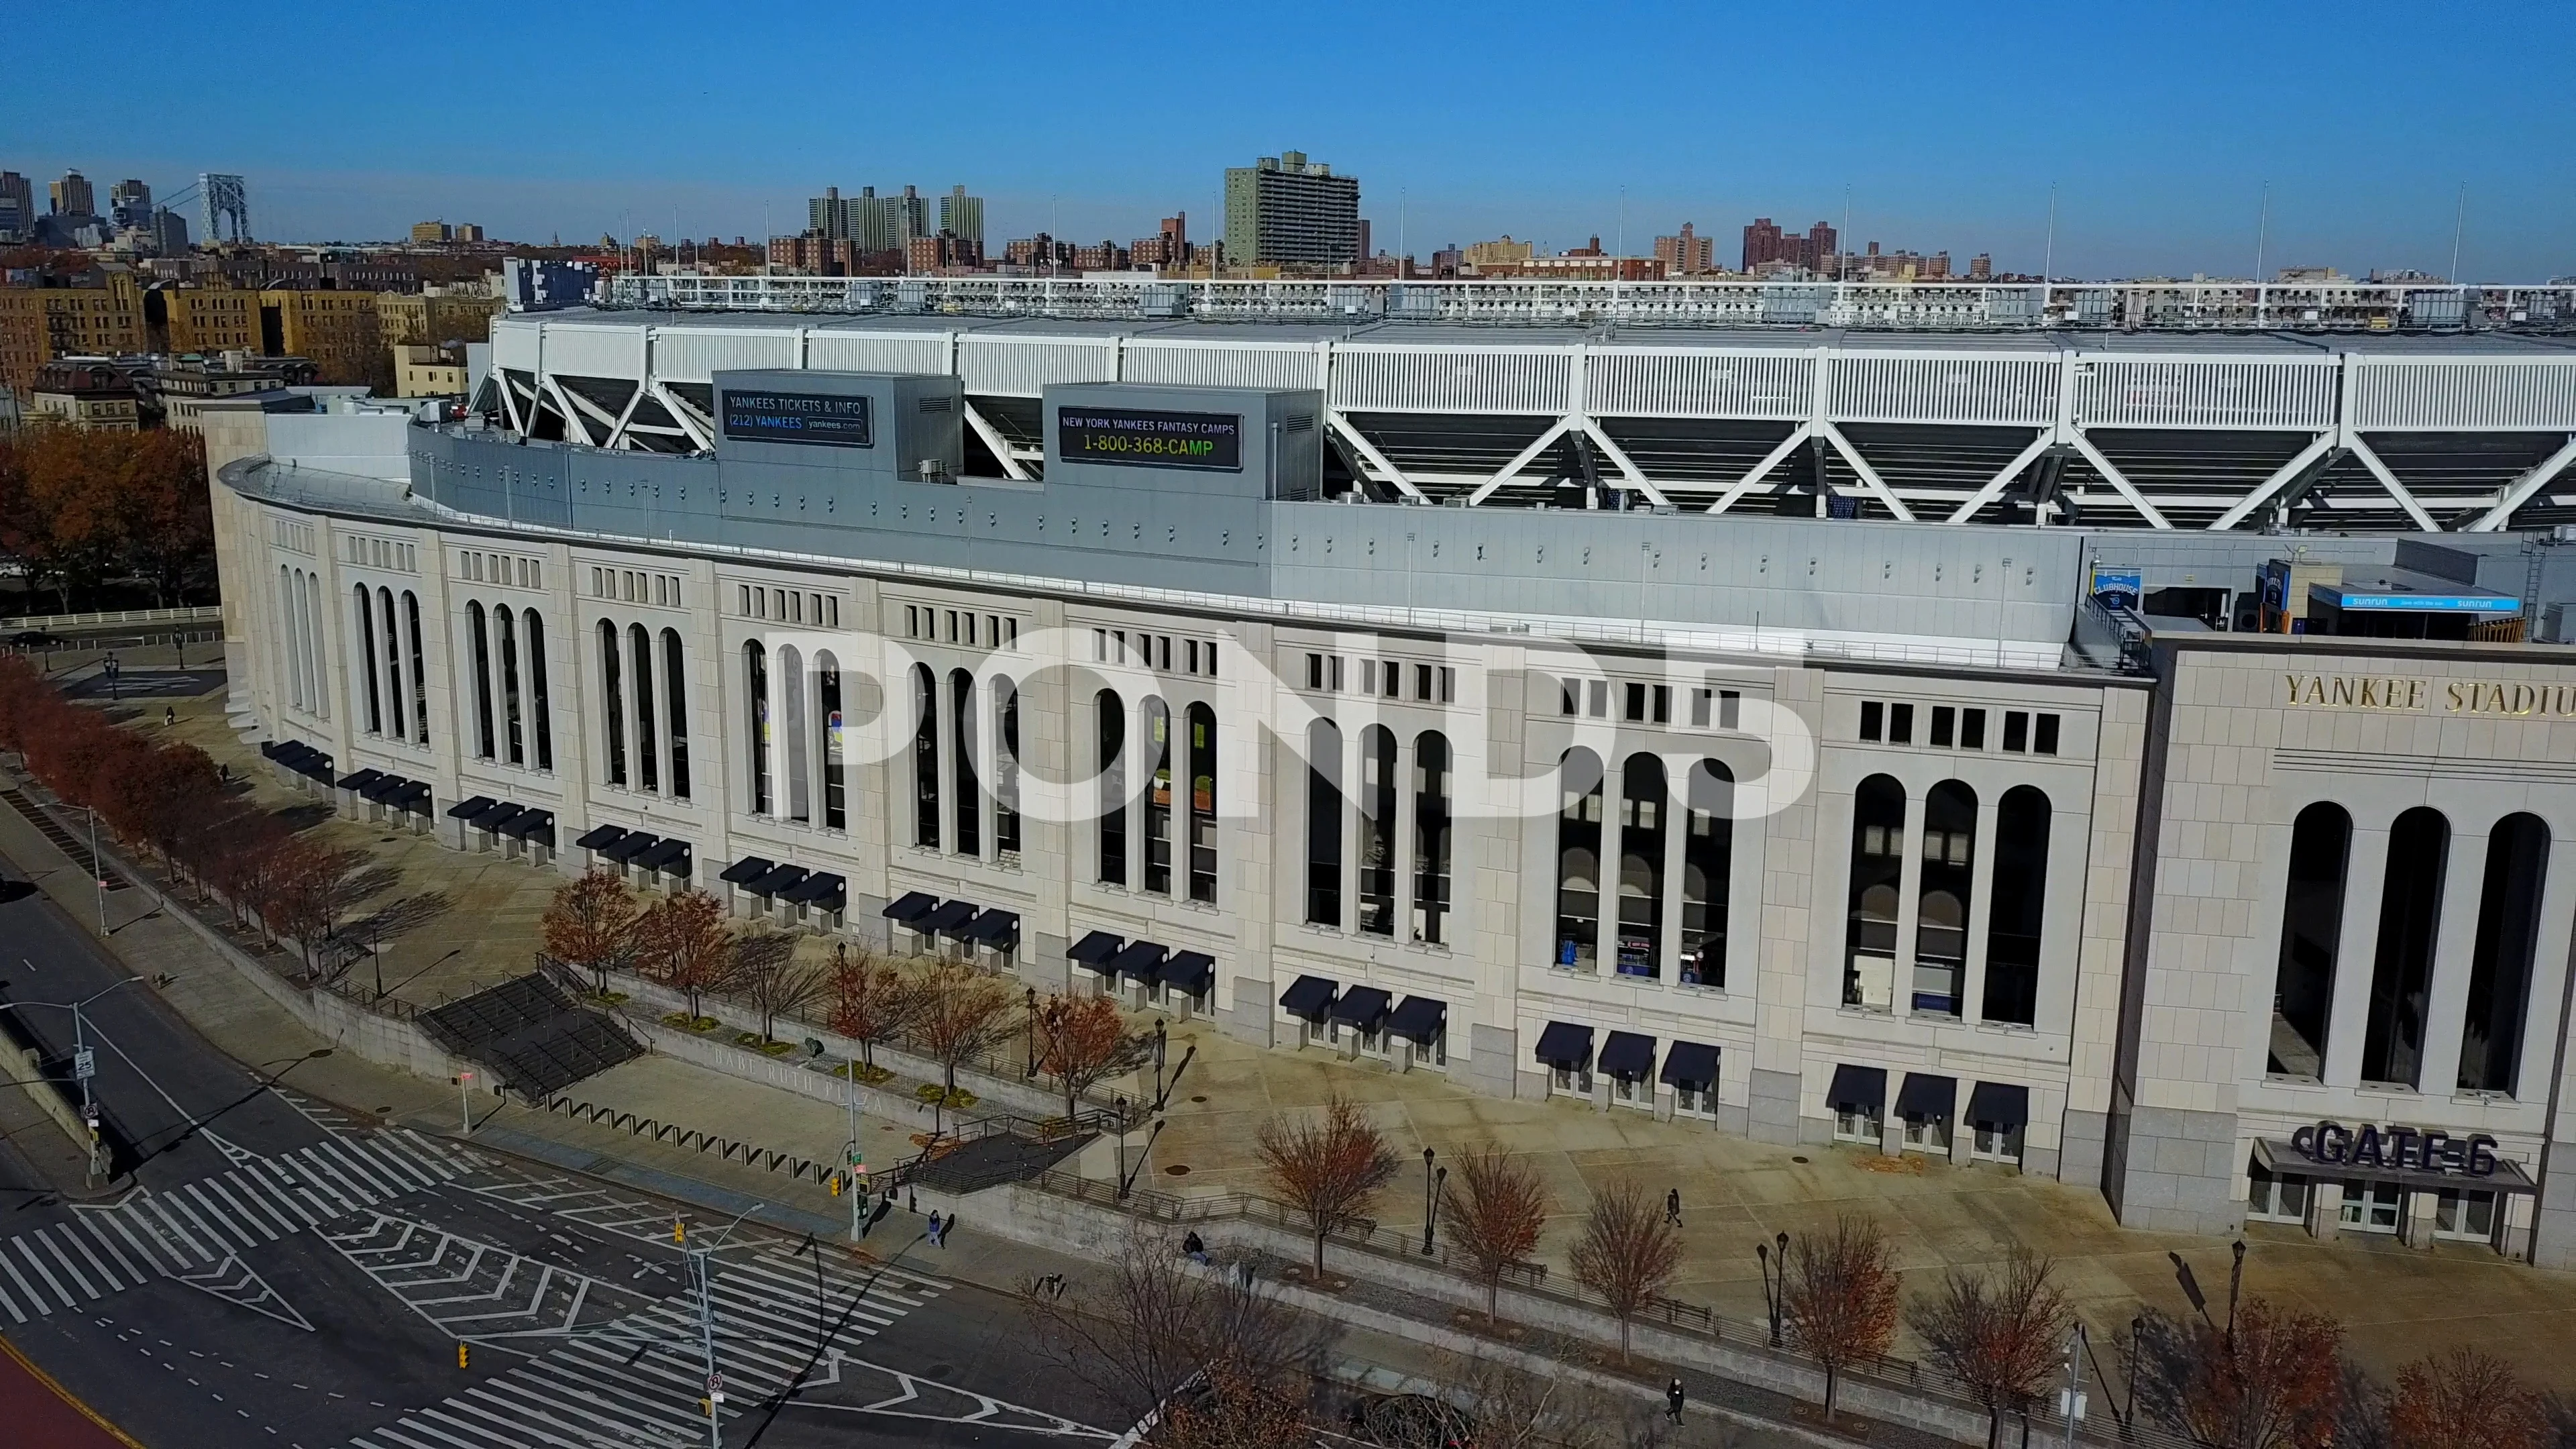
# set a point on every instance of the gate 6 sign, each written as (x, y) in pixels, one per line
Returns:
(2417, 1149)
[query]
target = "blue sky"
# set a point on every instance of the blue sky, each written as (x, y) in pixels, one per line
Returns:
(2158, 125)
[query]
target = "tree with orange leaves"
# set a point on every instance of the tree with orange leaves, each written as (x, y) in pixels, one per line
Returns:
(2465, 1399)
(682, 943)
(1494, 1214)
(1083, 1041)
(2004, 1336)
(1328, 1167)
(958, 1012)
(1628, 1252)
(590, 923)
(870, 1001)
(1840, 1305)
(2276, 1382)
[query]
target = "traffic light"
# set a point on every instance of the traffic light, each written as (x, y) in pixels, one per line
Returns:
(460, 1356)
(836, 1184)
(679, 1230)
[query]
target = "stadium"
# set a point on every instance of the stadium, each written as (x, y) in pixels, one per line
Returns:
(2107, 754)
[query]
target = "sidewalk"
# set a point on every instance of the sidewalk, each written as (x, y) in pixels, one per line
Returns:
(2397, 1303)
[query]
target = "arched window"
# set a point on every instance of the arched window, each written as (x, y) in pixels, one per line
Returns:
(1431, 833)
(1877, 867)
(925, 757)
(2020, 896)
(675, 698)
(367, 652)
(316, 656)
(1202, 766)
(1158, 796)
(540, 707)
(1006, 769)
(639, 657)
(612, 697)
(478, 632)
(2401, 975)
(795, 743)
(1641, 867)
(1708, 864)
(1578, 862)
(755, 695)
(1324, 823)
(1111, 738)
(970, 796)
(2500, 966)
(290, 655)
(395, 724)
(827, 702)
(2311, 930)
(419, 675)
(1941, 922)
(505, 626)
(1377, 831)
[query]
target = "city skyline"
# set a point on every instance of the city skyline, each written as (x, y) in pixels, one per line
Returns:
(2159, 162)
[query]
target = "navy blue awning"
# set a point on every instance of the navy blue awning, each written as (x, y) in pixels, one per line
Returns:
(1628, 1054)
(948, 917)
(628, 847)
(361, 780)
(466, 809)
(1096, 950)
(600, 837)
(904, 909)
(779, 881)
(1857, 1089)
(1564, 1044)
(996, 927)
(746, 870)
(1191, 971)
(1999, 1106)
(672, 856)
(1419, 1019)
(387, 789)
(1362, 1006)
(1927, 1097)
(821, 888)
(493, 817)
(1308, 996)
(1691, 1064)
(538, 825)
(1141, 960)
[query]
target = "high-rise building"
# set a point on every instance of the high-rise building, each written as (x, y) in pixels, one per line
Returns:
(468, 232)
(826, 217)
(71, 196)
(1686, 254)
(431, 233)
(962, 216)
(169, 232)
(1981, 268)
(1765, 242)
(129, 204)
(17, 207)
(1287, 209)
(1498, 253)
(1168, 247)
(1821, 241)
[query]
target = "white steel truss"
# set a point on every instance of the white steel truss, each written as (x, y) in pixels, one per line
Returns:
(1934, 433)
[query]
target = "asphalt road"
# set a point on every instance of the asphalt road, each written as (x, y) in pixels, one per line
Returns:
(281, 1275)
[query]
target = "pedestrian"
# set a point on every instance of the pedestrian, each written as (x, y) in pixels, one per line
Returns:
(1673, 1207)
(169, 716)
(1194, 1248)
(934, 1228)
(1673, 1401)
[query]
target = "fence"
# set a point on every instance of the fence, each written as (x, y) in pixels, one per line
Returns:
(206, 615)
(728, 1149)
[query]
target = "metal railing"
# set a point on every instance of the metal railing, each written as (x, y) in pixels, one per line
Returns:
(196, 615)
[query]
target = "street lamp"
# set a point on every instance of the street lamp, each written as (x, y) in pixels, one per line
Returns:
(1427, 1189)
(2235, 1281)
(1032, 1072)
(1775, 1285)
(1158, 1063)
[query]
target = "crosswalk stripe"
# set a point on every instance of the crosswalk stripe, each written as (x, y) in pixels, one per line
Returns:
(176, 1228)
(11, 1304)
(71, 1269)
(29, 1253)
(220, 1224)
(216, 1190)
(89, 1225)
(288, 1202)
(403, 1147)
(121, 1220)
(419, 1423)
(72, 1235)
(525, 1416)
(175, 1206)
(34, 1298)
(611, 1397)
(328, 1174)
(390, 1176)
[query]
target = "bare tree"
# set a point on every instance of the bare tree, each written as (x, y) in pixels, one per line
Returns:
(1841, 1302)
(871, 1001)
(1083, 1041)
(2465, 1399)
(770, 980)
(682, 943)
(1627, 1253)
(1329, 1168)
(1494, 1214)
(2001, 1336)
(1156, 1324)
(2277, 1382)
(1502, 1403)
(587, 924)
(960, 1014)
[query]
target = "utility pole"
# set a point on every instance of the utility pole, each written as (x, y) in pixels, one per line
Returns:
(2459, 223)
(2262, 234)
(2074, 1384)
(858, 1176)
